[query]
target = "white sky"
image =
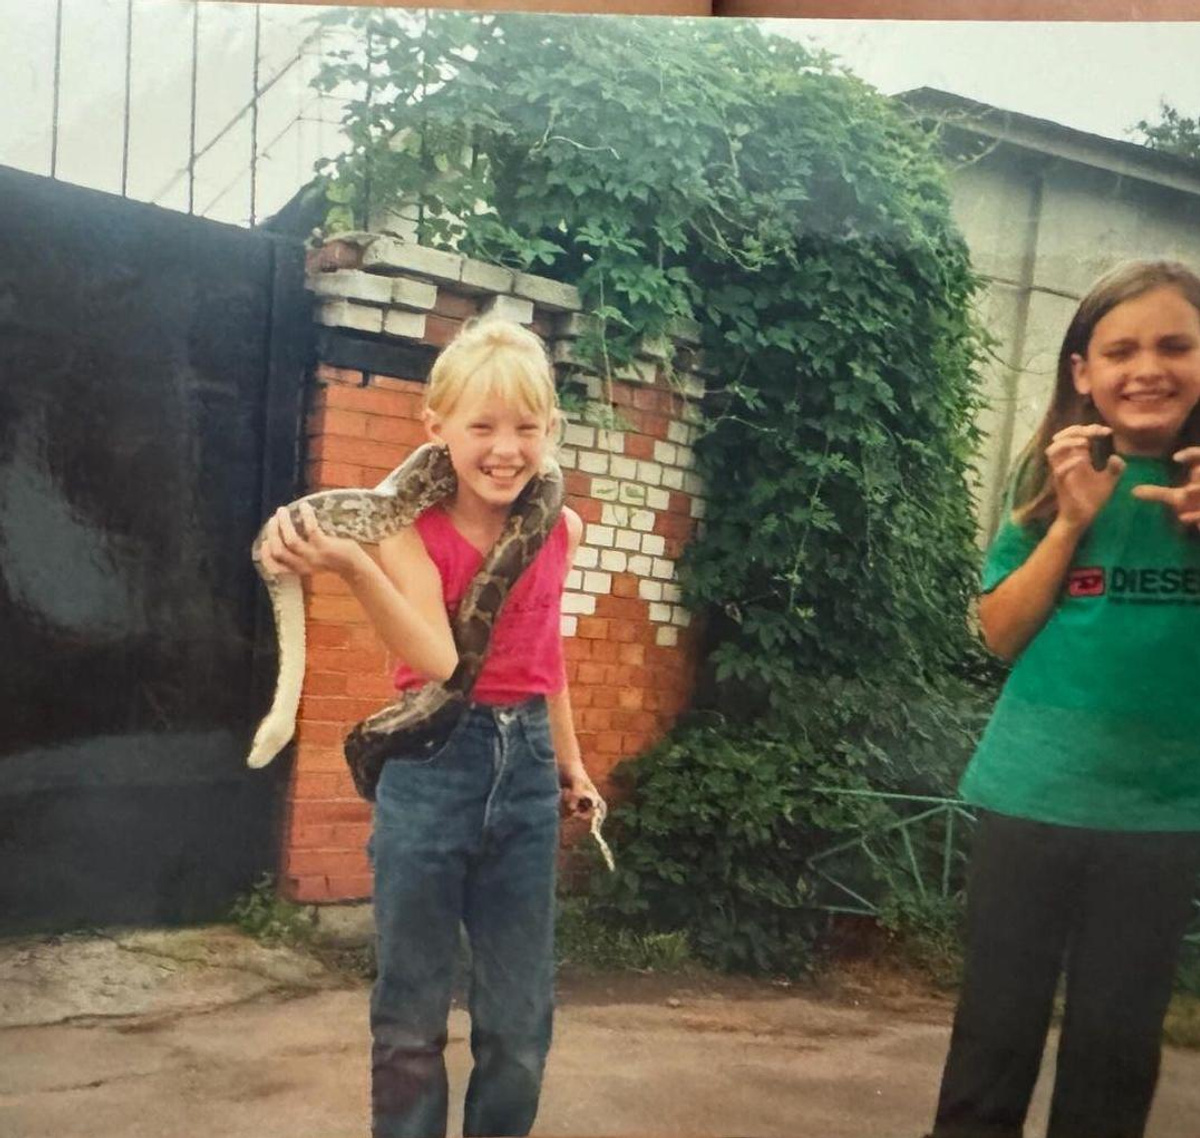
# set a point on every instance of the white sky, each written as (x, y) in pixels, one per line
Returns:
(1095, 77)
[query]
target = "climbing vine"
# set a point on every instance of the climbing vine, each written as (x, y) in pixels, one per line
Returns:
(673, 168)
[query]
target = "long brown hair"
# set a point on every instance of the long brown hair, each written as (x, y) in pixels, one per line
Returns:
(1034, 498)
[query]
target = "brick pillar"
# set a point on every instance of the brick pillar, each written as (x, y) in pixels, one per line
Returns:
(630, 645)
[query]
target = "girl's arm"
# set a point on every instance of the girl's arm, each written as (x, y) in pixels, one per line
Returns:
(403, 600)
(1012, 614)
(572, 775)
(562, 735)
(1014, 611)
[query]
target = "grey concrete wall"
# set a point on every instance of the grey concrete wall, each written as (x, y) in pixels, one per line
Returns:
(1040, 229)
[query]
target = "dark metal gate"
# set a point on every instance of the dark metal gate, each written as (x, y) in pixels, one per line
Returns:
(151, 371)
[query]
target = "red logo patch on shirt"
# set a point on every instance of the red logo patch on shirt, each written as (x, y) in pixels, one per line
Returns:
(1086, 582)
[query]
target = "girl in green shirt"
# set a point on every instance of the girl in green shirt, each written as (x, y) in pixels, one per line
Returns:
(1087, 778)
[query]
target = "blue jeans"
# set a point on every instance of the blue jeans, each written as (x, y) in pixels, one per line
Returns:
(470, 835)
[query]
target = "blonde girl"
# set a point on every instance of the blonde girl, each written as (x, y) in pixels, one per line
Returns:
(1088, 775)
(469, 835)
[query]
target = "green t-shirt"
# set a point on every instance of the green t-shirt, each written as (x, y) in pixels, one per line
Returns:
(1099, 722)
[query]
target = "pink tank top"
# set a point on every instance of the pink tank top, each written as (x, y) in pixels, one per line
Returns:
(525, 657)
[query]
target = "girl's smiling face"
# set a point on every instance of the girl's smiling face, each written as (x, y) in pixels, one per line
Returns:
(496, 447)
(1142, 370)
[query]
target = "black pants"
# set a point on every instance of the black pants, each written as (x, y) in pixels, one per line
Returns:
(1113, 906)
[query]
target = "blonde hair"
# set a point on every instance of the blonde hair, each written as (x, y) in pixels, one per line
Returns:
(491, 356)
(1033, 489)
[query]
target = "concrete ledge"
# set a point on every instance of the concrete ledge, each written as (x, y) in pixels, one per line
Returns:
(572, 325)
(357, 237)
(345, 314)
(655, 348)
(638, 371)
(409, 325)
(392, 256)
(345, 926)
(409, 293)
(563, 352)
(545, 293)
(352, 284)
(479, 276)
(509, 308)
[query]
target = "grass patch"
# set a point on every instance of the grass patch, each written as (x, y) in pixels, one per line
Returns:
(272, 920)
(584, 941)
(926, 934)
(263, 914)
(1182, 1026)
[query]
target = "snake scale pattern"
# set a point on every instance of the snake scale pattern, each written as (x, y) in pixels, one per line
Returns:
(421, 719)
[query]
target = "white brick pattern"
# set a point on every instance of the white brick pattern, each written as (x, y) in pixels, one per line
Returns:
(613, 560)
(599, 535)
(629, 540)
(578, 604)
(578, 435)
(596, 582)
(650, 590)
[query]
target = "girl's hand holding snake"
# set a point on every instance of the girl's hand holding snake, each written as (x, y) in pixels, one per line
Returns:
(304, 551)
(579, 794)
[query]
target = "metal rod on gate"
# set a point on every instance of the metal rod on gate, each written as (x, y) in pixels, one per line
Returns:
(320, 93)
(191, 166)
(947, 853)
(58, 22)
(237, 118)
(254, 115)
(912, 860)
(128, 86)
(366, 217)
(264, 153)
